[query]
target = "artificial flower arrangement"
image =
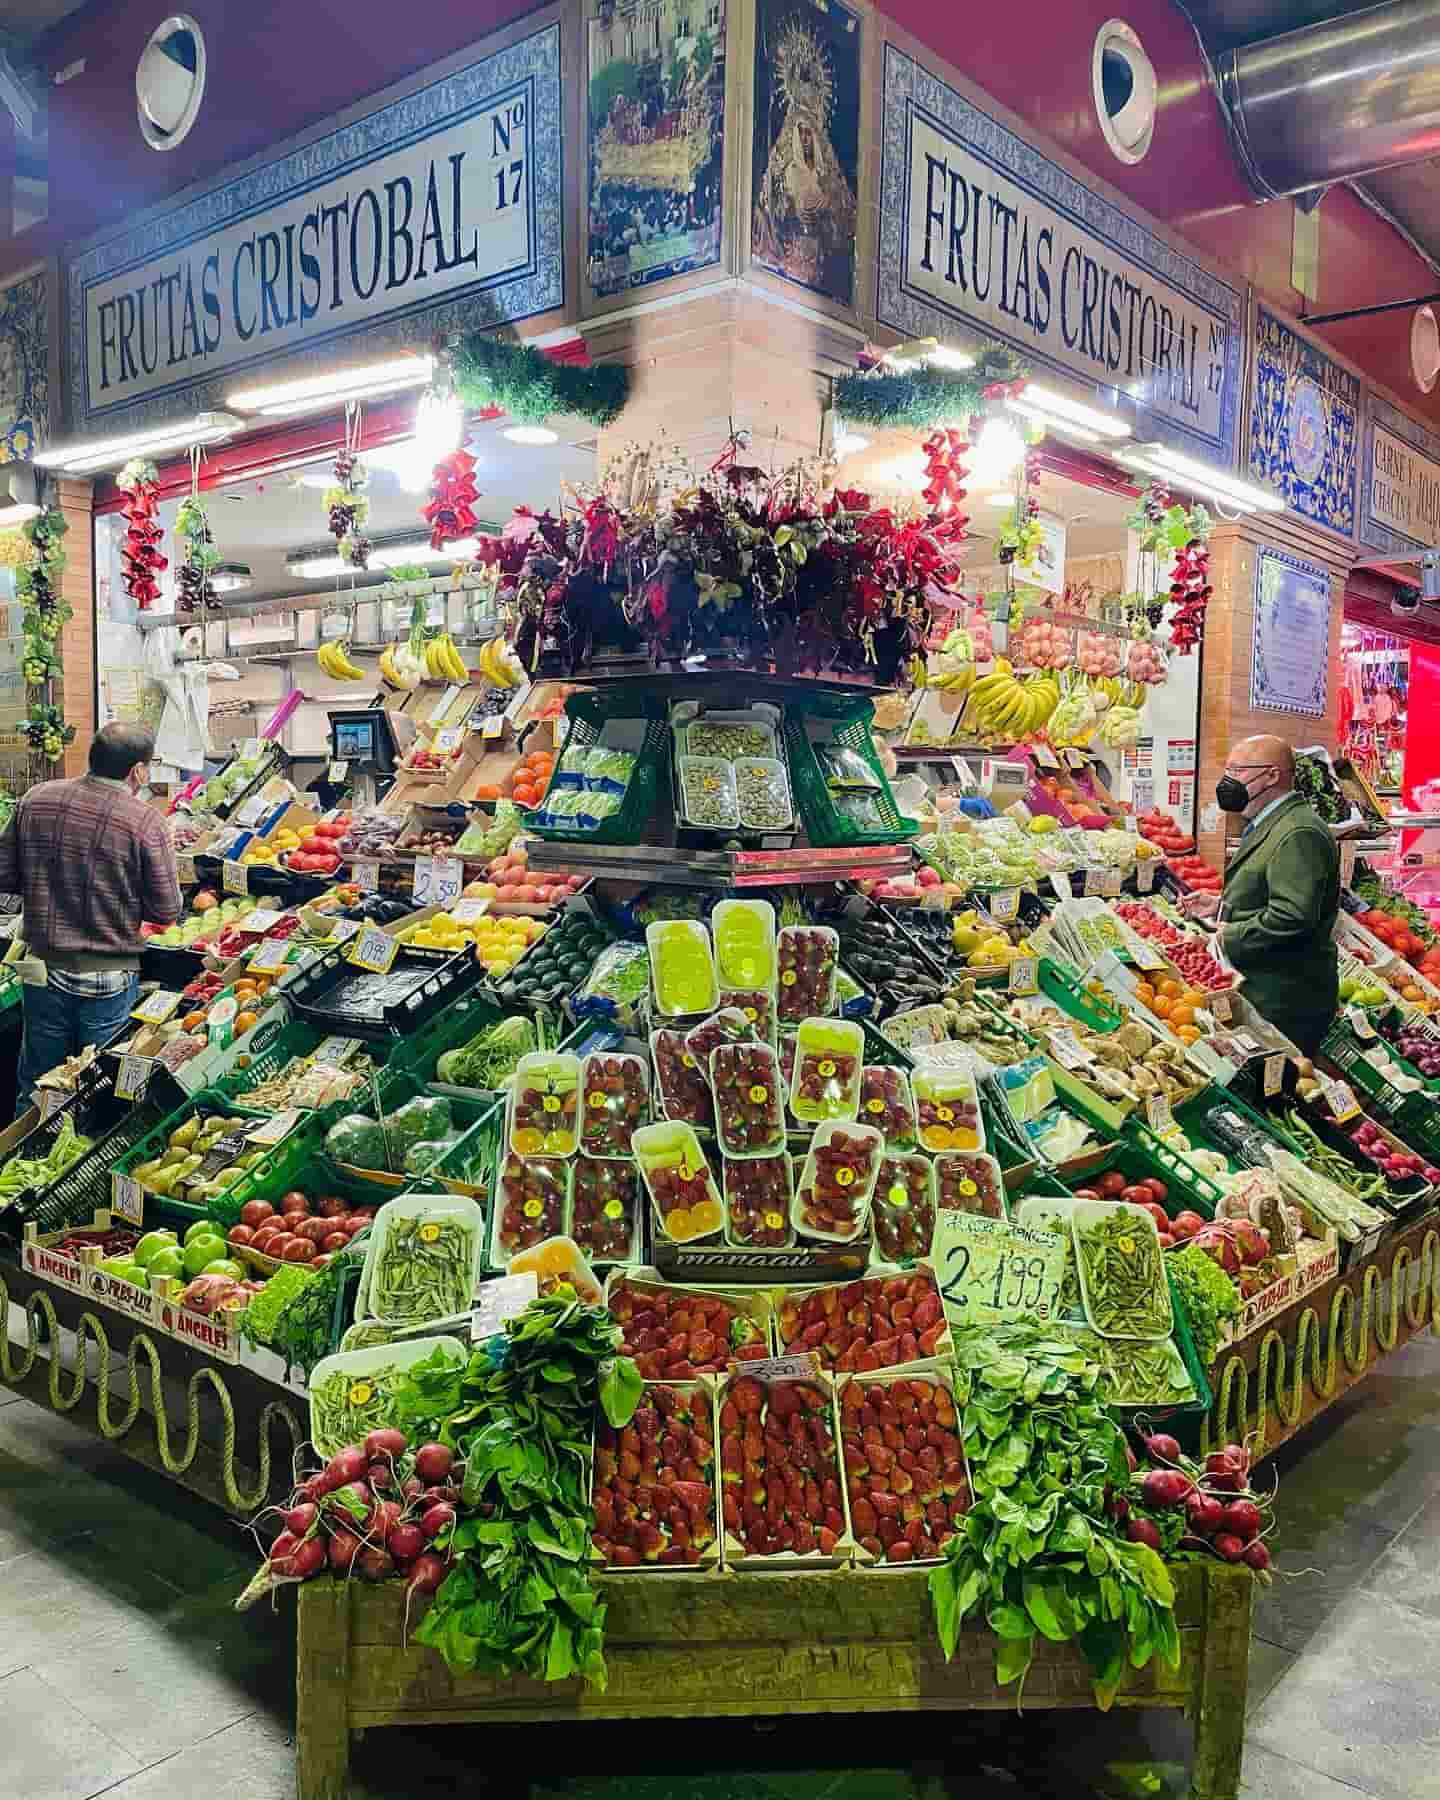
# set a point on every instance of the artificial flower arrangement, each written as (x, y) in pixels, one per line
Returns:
(781, 573)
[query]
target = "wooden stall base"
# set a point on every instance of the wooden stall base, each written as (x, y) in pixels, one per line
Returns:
(1273, 1384)
(745, 1645)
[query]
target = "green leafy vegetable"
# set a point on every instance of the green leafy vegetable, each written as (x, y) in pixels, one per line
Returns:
(519, 1599)
(1208, 1295)
(23, 1172)
(1039, 1553)
(491, 1057)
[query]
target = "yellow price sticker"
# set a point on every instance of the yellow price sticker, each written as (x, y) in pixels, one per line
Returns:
(551, 1103)
(532, 1209)
(361, 1392)
(614, 1209)
(429, 1234)
(844, 1177)
(827, 1068)
(788, 978)
(759, 1095)
(596, 1099)
(947, 1113)
(875, 1106)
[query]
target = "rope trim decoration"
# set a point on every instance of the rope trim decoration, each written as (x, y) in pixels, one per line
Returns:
(1349, 1335)
(16, 1366)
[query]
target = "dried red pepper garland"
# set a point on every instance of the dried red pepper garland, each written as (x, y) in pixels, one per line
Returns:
(1190, 592)
(140, 558)
(453, 493)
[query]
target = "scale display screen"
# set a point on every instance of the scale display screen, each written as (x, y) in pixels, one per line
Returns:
(355, 741)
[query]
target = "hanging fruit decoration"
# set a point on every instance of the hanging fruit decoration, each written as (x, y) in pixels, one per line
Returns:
(453, 493)
(346, 506)
(141, 561)
(44, 614)
(947, 454)
(192, 527)
(1190, 592)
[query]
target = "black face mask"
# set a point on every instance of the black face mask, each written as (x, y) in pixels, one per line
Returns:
(1231, 796)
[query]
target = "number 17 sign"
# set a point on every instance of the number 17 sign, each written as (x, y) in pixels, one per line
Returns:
(989, 1270)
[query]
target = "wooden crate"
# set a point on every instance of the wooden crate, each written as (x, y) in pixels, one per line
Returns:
(741, 1645)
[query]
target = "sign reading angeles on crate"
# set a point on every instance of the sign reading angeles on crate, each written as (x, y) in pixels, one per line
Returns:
(979, 230)
(444, 201)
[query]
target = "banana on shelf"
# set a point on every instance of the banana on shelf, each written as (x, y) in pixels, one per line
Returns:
(443, 662)
(334, 659)
(499, 664)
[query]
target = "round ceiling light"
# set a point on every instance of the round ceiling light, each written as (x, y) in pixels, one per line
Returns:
(1125, 91)
(170, 82)
(1424, 348)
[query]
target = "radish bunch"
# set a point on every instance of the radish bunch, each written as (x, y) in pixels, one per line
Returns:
(376, 1509)
(1175, 1504)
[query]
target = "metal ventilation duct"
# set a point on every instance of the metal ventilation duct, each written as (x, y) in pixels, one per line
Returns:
(1334, 101)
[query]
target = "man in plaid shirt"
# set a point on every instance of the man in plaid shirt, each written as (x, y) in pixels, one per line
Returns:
(90, 861)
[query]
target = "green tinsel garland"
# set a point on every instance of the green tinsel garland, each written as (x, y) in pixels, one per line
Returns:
(530, 387)
(922, 398)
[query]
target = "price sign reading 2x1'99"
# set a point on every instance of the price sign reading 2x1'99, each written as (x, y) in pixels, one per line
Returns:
(989, 1270)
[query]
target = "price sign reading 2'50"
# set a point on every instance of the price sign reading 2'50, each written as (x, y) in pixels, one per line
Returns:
(991, 1270)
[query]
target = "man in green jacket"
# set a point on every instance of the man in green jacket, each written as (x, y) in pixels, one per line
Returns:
(1282, 892)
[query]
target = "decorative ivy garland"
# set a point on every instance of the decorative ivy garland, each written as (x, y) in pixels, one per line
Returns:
(923, 398)
(530, 387)
(44, 613)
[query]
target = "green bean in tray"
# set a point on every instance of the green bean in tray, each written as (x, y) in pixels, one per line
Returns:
(1122, 1271)
(423, 1263)
(345, 1409)
(1137, 1374)
(1372, 1188)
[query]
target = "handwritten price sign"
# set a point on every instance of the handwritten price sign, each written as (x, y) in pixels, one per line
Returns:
(990, 1270)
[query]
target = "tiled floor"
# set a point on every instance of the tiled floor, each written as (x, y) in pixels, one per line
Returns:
(124, 1670)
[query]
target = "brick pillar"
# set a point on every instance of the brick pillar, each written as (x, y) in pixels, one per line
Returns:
(75, 690)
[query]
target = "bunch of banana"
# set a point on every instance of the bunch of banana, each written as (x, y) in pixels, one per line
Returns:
(401, 667)
(443, 662)
(334, 658)
(1121, 727)
(499, 664)
(1010, 708)
(950, 675)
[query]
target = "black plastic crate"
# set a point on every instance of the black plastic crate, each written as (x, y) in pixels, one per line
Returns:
(85, 1185)
(416, 992)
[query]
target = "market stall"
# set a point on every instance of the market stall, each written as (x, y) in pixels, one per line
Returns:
(684, 1103)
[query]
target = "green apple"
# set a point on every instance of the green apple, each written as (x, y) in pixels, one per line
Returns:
(225, 1265)
(202, 1228)
(151, 1245)
(124, 1268)
(201, 1251)
(167, 1265)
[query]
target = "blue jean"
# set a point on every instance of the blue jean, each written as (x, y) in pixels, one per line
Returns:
(58, 1025)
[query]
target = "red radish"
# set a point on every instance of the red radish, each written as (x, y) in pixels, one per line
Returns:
(354, 1498)
(1205, 1513)
(385, 1442)
(382, 1521)
(1119, 1509)
(1243, 1518)
(1229, 1546)
(300, 1518)
(427, 1572)
(405, 1543)
(382, 1476)
(285, 1545)
(1166, 1487)
(449, 1495)
(1143, 1531)
(412, 1488)
(433, 1462)
(1162, 1449)
(1257, 1556)
(349, 1464)
(375, 1564)
(305, 1560)
(437, 1519)
(344, 1548)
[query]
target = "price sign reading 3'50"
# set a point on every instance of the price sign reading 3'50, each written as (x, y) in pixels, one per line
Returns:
(991, 1270)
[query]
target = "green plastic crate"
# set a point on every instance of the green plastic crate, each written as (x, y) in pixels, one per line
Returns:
(851, 720)
(298, 1161)
(586, 716)
(143, 1149)
(418, 1053)
(468, 1166)
(1076, 1002)
(1184, 1340)
(1139, 1154)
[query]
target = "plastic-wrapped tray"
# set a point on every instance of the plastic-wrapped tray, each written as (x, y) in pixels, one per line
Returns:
(735, 1324)
(363, 1396)
(335, 995)
(1131, 1307)
(759, 1194)
(422, 1244)
(902, 1208)
(606, 1203)
(854, 1324)
(903, 1513)
(531, 1203)
(832, 1199)
(804, 1522)
(667, 1516)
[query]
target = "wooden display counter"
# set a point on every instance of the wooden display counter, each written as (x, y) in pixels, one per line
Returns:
(738, 1645)
(1273, 1383)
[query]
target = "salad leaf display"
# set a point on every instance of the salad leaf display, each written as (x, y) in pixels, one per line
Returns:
(520, 1414)
(1039, 1554)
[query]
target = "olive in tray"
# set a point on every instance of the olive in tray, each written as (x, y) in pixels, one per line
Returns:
(684, 1092)
(758, 1197)
(532, 1202)
(604, 1208)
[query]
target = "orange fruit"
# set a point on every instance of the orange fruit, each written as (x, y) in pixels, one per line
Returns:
(707, 1216)
(1188, 1034)
(679, 1224)
(1181, 1014)
(1144, 992)
(488, 792)
(192, 1021)
(243, 1022)
(1194, 997)
(1171, 987)
(1161, 1005)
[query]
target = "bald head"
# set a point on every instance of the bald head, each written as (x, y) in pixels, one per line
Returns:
(1265, 764)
